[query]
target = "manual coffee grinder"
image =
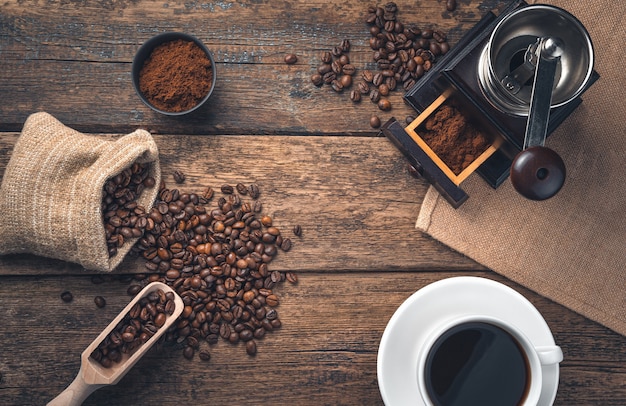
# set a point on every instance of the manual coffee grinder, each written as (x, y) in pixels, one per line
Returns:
(517, 75)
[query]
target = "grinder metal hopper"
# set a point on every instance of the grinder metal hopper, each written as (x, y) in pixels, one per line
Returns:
(492, 73)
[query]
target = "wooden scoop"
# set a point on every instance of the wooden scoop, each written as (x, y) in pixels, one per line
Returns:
(92, 375)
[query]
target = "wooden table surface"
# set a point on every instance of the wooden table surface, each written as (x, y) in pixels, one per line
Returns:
(318, 164)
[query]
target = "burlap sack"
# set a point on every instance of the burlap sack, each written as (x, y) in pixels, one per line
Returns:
(52, 190)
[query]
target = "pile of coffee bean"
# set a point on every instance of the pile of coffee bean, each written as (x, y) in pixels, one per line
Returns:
(335, 68)
(123, 218)
(141, 322)
(217, 259)
(402, 53)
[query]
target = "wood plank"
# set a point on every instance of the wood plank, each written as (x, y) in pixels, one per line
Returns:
(353, 197)
(75, 62)
(325, 353)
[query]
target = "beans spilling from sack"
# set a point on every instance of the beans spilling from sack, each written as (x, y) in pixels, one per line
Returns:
(215, 256)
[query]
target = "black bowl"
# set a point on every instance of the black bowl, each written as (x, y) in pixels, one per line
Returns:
(144, 53)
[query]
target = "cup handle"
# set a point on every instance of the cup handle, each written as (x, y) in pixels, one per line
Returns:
(549, 354)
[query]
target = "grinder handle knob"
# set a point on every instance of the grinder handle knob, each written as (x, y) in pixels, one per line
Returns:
(538, 173)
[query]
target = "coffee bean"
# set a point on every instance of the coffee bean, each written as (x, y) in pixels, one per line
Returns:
(290, 59)
(336, 67)
(286, 245)
(383, 89)
(384, 104)
(451, 5)
(242, 189)
(227, 189)
(189, 352)
(435, 48)
(251, 348)
(377, 79)
(329, 77)
(253, 190)
(324, 68)
(349, 69)
(363, 87)
(133, 290)
(179, 177)
(291, 277)
(345, 45)
(336, 86)
(121, 213)
(367, 76)
(326, 57)
(375, 96)
(204, 355)
(67, 296)
(346, 81)
(444, 47)
(100, 301)
(297, 230)
(374, 122)
(355, 95)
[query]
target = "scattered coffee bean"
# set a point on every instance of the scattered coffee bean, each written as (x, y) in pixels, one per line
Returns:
(355, 95)
(290, 59)
(384, 104)
(409, 119)
(251, 348)
(253, 191)
(189, 352)
(227, 189)
(317, 79)
(336, 69)
(291, 277)
(451, 5)
(374, 122)
(297, 230)
(179, 177)
(133, 289)
(217, 259)
(346, 81)
(205, 355)
(100, 301)
(67, 296)
(402, 52)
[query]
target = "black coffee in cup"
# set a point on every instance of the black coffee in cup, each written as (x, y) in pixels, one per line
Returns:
(476, 363)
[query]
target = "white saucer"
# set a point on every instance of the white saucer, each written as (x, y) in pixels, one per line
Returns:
(453, 297)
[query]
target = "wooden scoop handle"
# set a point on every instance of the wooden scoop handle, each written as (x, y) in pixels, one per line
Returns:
(538, 173)
(76, 393)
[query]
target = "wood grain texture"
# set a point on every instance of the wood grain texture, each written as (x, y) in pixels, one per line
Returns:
(68, 57)
(325, 353)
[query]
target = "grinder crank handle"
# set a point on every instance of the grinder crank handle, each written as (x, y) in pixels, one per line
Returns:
(538, 172)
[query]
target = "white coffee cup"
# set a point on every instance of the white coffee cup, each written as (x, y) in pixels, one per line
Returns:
(536, 357)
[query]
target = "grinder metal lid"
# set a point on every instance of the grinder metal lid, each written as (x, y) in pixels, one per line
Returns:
(509, 43)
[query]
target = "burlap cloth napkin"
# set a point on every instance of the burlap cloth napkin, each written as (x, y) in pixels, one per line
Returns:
(52, 189)
(571, 248)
